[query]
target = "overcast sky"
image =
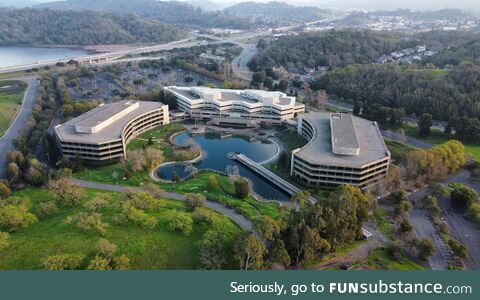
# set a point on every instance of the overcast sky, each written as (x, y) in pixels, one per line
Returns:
(371, 4)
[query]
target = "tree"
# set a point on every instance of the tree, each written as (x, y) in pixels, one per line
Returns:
(46, 209)
(212, 253)
(356, 108)
(106, 248)
(89, 222)
(5, 191)
(242, 188)
(459, 250)
(249, 251)
(425, 248)
(175, 177)
(258, 78)
(431, 204)
(425, 122)
(268, 83)
(180, 222)
(13, 217)
(406, 227)
(193, 201)
(64, 192)
(121, 262)
(4, 240)
(99, 263)
(212, 183)
(63, 262)
(96, 203)
(463, 196)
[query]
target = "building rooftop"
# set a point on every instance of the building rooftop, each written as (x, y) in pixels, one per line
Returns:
(225, 95)
(337, 132)
(104, 123)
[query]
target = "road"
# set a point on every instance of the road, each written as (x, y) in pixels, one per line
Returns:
(239, 64)
(405, 139)
(18, 123)
(242, 221)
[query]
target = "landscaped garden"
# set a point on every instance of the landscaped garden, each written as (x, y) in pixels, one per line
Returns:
(62, 235)
(11, 95)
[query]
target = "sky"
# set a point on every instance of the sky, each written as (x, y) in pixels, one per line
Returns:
(371, 4)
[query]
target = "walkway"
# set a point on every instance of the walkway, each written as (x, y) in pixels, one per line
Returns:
(275, 179)
(6, 142)
(241, 220)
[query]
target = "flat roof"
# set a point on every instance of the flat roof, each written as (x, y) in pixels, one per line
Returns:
(118, 114)
(319, 150)
(231, 94)
(344, 136)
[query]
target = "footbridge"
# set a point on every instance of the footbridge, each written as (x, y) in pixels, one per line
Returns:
(267, 174)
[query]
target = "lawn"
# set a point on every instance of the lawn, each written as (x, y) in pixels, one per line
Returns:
(157, 136)
(383, 225)
(11, 96)
(380, 260)
(398, 150)
(438, 137)
(158, 248)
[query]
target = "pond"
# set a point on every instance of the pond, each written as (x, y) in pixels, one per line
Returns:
(216, 148)
(14, 56)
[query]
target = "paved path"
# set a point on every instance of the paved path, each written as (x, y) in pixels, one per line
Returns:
(241, 220)
(405, 139)
(19, 122)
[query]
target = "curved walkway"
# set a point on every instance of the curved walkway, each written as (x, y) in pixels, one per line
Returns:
(241, 220)
(6, 142)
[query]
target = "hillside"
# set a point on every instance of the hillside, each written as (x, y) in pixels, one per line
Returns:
(467, 53)
(332, 48)
(50, 27)
(171, 12)
(277, 10)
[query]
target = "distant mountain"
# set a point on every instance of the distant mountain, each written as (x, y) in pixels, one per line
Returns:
(17, 3)
(205, 5)
(55, 27)
(278, 11)
(171, 12)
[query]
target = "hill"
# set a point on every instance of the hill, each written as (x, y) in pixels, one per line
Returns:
(332, 49)
(278, 11)
(51, 27)
(171, 12)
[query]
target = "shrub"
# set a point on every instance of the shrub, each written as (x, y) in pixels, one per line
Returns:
(121, 262)
(138, 216)
(425, 248)
(194, 201)
(203, 216)
(63, 262)
(180, 222)
(462, 195)
(96, 203)
(406, 227)
(99, 263)
(212, 183)
(5, 191)
(89, 222)
(106, 248)
(13, 217)
(459, 250)
(4, 240)
(46, 209)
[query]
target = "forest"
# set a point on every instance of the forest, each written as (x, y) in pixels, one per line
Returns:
(171, 12)
(50, 27)
(332, 48)
(442, 93)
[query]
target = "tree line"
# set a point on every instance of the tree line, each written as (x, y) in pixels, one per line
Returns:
(444, 94)
(55, 27)
(332, 49)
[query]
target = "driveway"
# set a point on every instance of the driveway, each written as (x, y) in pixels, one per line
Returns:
(241, 220)
(18, 123)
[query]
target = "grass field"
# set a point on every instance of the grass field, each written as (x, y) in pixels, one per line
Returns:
(438, 137)
(383, 225)
(380, 260)
(398, 150)
(11, 96)
(147, 249)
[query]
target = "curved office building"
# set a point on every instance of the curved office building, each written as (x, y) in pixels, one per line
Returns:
(342, 149)
(103, 133)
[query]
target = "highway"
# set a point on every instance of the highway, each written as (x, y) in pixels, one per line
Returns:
(18, 123)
